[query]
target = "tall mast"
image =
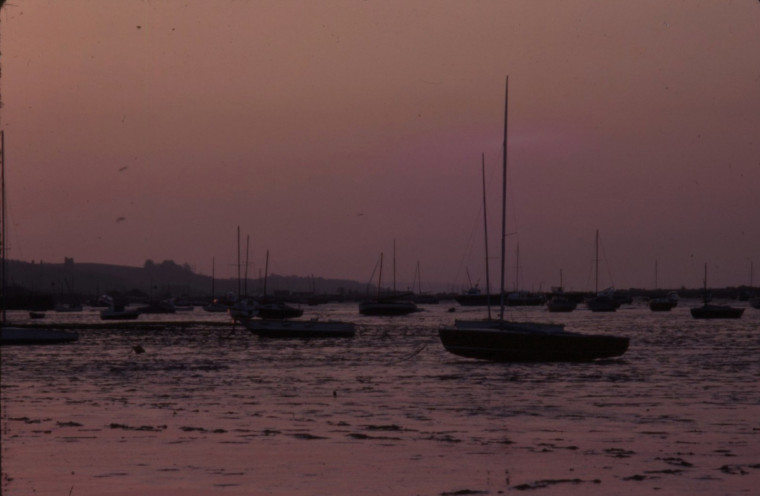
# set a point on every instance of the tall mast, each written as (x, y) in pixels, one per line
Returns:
(238, 261)
(517, 268)
(656, 282)
(2, 217)
(213, 278)
(394, 266)
(245, 281)
(485, 231)
(266, 274)
(504, 200)
(596, 264)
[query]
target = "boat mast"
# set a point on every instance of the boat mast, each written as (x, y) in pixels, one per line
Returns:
(245, 281)
(504, 201)
(656, 282)
(266, 273)
(213, 278)
(380, 276)
(2, 220)
(596, 264)
(238, 261)
(394, 266)
(485, 231)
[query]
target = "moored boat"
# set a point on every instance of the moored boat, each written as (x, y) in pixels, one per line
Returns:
(560, 303)
(508, 341)
(392, 305)
(664, 303)
(277, 310)
(278, 328)
(530, 345)
(604, 301)
(387, 307)
(509, 325)
(11, 335)
(712, 311)
(27, 336)
(119, 312)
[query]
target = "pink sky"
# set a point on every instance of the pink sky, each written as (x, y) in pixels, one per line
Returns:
(327, 130)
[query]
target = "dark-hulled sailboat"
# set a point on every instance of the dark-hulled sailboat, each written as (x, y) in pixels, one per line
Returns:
(501, 340)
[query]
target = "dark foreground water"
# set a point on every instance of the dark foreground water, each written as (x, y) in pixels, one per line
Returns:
(211, 410)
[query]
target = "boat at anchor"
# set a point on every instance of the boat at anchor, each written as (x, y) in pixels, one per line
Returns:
(507, 341)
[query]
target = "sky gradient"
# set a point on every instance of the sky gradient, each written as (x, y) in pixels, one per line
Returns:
(327, 130)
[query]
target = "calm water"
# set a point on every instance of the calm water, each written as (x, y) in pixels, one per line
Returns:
(212, 410)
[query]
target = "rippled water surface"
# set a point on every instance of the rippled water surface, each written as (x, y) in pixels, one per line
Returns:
(210, 409)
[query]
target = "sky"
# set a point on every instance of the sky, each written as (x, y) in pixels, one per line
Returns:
(332, 131)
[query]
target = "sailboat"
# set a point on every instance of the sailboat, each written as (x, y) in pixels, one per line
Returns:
(273, 320)
(711, 311)
(662, 303)
(419, 296)
(12, 335)
(559, 301)
(501, 340)
(391, 305)
(272, 308)
(497, 299)
(603, 301)
(214, 305)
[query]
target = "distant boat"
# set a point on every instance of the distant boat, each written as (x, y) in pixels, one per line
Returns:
(215, 305)
(387, 306)
(525, 299)
(118, 311)
(163, 306)
(419, 296)
(501, 340)
(273, 309)
(711, 311)
(559, 301)
(754, 302)
(664, 303)
(473, 297)
(287, 329)
(11, 335)
(68, 307)
(603, 301)
(34, 336)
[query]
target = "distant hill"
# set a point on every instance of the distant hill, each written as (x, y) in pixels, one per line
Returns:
(70, 282)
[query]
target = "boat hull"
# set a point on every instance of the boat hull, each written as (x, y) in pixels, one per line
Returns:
(382, 308)
(300, 328)
(662, 305)
(560, 304)
(119, 315)
(602, 304)
(24, 336)
(510, 325)
(508, 346)
(716, 312)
